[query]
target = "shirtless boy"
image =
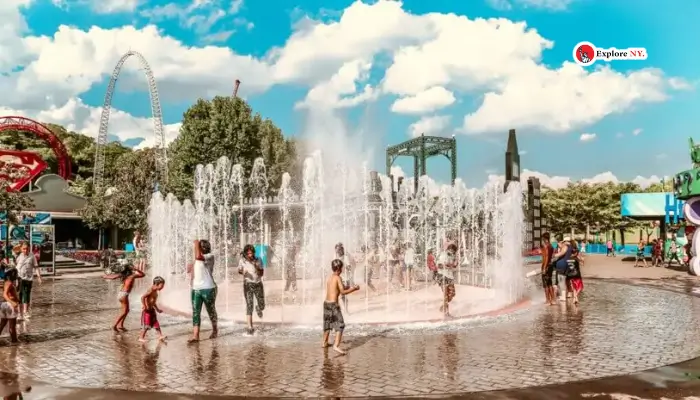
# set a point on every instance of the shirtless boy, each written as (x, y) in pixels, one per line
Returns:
(332, 315)
(9, 304)
(149, 318)
(127, 276)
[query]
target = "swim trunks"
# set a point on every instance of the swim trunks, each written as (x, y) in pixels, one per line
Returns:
(7, 311)
(332, 317)
(547, 277)
(442, 280)
(149, 319)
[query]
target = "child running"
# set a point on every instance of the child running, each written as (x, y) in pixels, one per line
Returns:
(149, 318)
(332, 314)
(9, 304)
(128, 275)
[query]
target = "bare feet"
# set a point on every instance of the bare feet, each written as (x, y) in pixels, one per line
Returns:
(142, 340)
(114, 328)
(214, 334)
(121, 328)
(192, 340)
(325, 345)
(339, 350)
(162, 339)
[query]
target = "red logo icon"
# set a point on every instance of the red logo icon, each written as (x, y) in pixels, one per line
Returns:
(24, 167)
(584, 53)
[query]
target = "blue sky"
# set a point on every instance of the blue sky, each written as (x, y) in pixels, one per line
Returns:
(639, 121)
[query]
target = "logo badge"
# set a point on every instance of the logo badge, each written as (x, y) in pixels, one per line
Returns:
(586, 53)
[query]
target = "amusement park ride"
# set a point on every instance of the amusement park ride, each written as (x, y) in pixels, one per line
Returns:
(25, 166)
(686, 187)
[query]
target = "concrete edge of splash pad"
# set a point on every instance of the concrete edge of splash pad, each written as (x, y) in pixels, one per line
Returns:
(520, 305)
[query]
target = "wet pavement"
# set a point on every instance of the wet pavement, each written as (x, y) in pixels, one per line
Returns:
(619, 329)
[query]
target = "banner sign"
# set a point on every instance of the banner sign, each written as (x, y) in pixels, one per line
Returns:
(42, 244)
(44, 248)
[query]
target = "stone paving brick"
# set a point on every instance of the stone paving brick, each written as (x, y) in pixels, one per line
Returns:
(618, 329)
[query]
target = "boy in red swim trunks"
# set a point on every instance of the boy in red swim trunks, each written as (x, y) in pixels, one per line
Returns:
(149, 315)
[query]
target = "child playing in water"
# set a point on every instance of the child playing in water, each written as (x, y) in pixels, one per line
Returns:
(127, 276)
(332, 315)
(149, 318)
(9, 304)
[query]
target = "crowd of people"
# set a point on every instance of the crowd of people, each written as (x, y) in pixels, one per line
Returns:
(17, 273)
(561, 270)
(345, 271)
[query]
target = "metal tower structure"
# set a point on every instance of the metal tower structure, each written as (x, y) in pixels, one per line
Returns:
(512, 160)
(162, 161)
(422, 148)
(236, 86)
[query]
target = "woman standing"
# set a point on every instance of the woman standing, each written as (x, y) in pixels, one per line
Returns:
(203, 288)
(574, 281)
(251, 268)
(27, 267)
(561, 264)
(639, 256)
(139, 248)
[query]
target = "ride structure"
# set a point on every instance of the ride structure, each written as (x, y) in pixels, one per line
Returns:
(686, 187)
(421, 149)
(162, 161)
(25, 165)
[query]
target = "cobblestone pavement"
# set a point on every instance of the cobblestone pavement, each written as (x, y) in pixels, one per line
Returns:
(618, 329)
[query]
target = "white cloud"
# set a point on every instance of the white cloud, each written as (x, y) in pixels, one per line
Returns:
(551, 5)
(430, 125)
(564, 99)
(680, 84)
(587, 137)
(636, 132)
(114, 6)
(74, 115)
(428, 53)
(201, 16)
(554, 5)
(501, 5)
(341, 90)
(72, 61)
(432, 99)
(558, 182)
(235, 7)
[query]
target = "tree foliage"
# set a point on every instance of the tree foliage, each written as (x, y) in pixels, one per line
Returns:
(11, 202)
(582, 207)
(226, 126)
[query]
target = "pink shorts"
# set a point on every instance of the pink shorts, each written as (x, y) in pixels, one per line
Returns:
(149, 319)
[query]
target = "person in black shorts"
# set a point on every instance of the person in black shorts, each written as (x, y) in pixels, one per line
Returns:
(547, 269)
(444, 277)
(332, 314)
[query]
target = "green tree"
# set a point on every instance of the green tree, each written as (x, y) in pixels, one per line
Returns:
(11, 202)
(96, 213)
(226, 126)
(134, 181)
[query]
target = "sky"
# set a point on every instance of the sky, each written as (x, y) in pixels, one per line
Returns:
(384, 71)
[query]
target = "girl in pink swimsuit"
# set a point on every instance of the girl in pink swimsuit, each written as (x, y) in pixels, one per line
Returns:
(127, 276)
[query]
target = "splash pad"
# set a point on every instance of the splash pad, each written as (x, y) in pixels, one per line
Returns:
(341, 204)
